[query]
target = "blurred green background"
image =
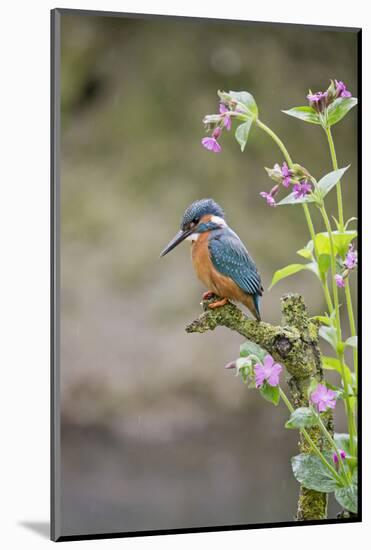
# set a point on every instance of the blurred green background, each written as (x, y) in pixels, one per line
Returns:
(156, 434)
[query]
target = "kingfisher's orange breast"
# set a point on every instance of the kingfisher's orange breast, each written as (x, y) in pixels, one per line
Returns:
(220, 284)
(201, 259)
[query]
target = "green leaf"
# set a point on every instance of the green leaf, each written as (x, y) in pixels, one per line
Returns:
(242, 133)
(250, 348)
(323, 243)
(247, 101)
(329, 334)
(307, 252)
(322, 319)
(339, 108)
(270, 393)
(309, 470)
(328, 181)
(324, 262)
(290, 199)
(353, 219)
(341, 242)
(352, 342)
(347, 497)
(290, 270)
(342, 442)
(243, 368)
(304, 113)
(332, 363)
(303, 417)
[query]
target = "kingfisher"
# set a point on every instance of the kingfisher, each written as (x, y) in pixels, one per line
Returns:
(220, 259)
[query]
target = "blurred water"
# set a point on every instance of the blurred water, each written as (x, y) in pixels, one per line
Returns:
(223, 475)
(208, 478)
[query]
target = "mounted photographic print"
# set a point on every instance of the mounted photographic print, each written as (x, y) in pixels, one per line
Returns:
(204, 274)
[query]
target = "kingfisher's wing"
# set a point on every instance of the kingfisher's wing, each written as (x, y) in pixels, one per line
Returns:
(230, 257)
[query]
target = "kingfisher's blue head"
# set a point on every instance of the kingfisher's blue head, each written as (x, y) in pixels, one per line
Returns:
(200, 216)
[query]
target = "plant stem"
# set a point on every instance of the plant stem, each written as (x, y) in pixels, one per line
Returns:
(275, 138)
(340, 353)
(310, 441)
(338, 185)
(332, 443)
(313, 237)
(333, 271)
(352, 325)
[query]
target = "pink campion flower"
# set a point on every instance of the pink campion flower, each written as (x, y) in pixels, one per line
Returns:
(339, 280)
(217, 132)
(323, 398)
(211, 144)
(268, 197)
(342, 456)
(315, 98)
(269, 372)
(302, 189)
(341, 89)
(286, 174)
(318, 101)
(227, 119)
(351, 258)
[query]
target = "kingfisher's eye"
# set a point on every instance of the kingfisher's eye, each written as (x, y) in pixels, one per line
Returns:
(195, 221)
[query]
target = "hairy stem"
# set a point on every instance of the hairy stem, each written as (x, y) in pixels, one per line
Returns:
(352, 325)
(278, 141)
(313, 237)
(330, 439)
(338, 185)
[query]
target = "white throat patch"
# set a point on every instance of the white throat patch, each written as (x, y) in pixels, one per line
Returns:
(219, 221)
(193, 237)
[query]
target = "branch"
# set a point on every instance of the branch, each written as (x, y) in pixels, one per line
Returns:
(293, 343)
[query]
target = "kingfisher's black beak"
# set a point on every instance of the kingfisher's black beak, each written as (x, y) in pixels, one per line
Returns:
(179, 237)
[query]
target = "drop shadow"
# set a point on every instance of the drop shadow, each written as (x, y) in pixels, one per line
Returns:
(42, 528)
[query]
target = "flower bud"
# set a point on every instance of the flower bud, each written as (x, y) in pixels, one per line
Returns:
(216, 133)
(274, 191)
(275, 173)
(331, 92)
(342, 455)
(341, 89)
(300, 172)
(319, 101)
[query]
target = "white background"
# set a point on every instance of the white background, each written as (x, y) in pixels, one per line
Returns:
(24, 235)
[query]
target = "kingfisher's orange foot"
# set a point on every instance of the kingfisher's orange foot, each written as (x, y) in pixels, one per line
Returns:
(207, 295)
(219, 303)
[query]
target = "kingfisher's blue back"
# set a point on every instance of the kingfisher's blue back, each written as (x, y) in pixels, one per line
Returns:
(231, 258)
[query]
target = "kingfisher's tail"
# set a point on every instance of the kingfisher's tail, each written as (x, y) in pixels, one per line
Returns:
(256, 300)
(252, 302)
